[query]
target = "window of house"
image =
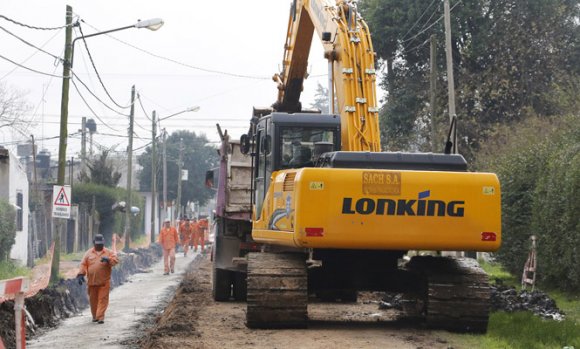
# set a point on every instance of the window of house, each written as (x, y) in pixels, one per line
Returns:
(19, 210)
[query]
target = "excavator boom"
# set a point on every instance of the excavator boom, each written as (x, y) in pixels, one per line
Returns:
(348, 48)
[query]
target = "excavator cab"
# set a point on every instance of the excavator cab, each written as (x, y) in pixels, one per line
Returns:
(286, 141)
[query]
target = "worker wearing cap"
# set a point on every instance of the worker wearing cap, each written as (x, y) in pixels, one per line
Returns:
(97, 265)
(168, 239)
(185, 231)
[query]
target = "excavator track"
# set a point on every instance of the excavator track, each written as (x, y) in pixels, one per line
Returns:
(277, 291)
(457, 294)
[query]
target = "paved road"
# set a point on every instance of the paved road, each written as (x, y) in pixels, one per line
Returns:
(127, 304)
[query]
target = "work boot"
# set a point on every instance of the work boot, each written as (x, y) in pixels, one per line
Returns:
(166, 273)
(172, 271)
(101, 322)
(95, 320)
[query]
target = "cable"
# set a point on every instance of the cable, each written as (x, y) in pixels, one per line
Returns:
(97, 72)
(32, 55)
(29, 44)
(184, 64)
(33, 118)
(32, 70)
(429, 27)
(142, 107)
(34, 27)
(91, 109)
(97, 98)
(423, 14)
(405, 49)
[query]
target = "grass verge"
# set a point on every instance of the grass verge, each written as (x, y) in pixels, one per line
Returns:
(9, 270)
(523, 329)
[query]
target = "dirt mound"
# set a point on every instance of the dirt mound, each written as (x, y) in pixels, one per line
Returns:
(510, 300)
(67, 298)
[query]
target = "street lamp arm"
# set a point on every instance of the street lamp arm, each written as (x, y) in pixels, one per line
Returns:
(151, 24)
(192, 109)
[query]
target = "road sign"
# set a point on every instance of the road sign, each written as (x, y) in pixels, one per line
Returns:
(61, 199)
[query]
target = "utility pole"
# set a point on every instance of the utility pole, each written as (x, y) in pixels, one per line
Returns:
(129, 173)
(83, 143)
(179, 167)
(165, 174)
(153, 175)
(54, 269)
(433, 94)
(450, 81)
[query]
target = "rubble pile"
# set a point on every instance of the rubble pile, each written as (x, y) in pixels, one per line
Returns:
(510, 300)
(503, 298)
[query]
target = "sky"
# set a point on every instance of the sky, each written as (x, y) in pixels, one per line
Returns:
(226, 52)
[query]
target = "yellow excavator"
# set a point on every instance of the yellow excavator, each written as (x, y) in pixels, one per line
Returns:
(334, 215)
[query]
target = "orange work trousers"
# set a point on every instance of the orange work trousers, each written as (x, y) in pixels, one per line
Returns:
(185, 245)
(99, 300)
(168, 259)
(198, 239)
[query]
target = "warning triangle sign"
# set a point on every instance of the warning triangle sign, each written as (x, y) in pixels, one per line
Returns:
(61, 198)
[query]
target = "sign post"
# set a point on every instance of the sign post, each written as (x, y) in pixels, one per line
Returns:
(17, 287)
(61, 201)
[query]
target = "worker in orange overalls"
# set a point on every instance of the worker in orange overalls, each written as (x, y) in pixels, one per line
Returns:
(202, 223)
(197, 235)
(185, 232)
(97, 265)
(168, 239)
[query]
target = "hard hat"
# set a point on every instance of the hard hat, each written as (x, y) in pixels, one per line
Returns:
(166, 220)
(99, 239)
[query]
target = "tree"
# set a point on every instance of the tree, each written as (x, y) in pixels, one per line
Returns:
(7, 229)
(512, 59)
(101, 171)
(321, 99)
(12, 109)
(198, 157)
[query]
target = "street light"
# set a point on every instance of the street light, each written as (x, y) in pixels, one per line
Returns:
(151, 24)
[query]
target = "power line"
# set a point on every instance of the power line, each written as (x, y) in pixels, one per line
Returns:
(30, 44)
(184, 64)
(97, 72)
(423, 14)
(112, 117)
(431, 26)
(142, 107)
(32, 55)
(89, 107)
(32, 70)
(34, 27)
(95, 96)
(45, 90)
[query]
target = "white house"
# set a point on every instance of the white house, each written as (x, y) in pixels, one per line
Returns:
(14, 188)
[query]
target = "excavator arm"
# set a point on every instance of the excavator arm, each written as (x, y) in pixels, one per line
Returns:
(352, 79)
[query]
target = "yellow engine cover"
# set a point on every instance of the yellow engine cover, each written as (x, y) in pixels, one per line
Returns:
(381, 209)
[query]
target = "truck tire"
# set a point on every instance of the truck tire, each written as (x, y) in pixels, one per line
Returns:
(221, 284)
(240, 286)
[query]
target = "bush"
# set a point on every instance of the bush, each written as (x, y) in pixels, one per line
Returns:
(7, 229)
(539, 169)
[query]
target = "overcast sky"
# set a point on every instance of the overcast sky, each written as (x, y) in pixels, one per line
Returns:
(230, 36)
